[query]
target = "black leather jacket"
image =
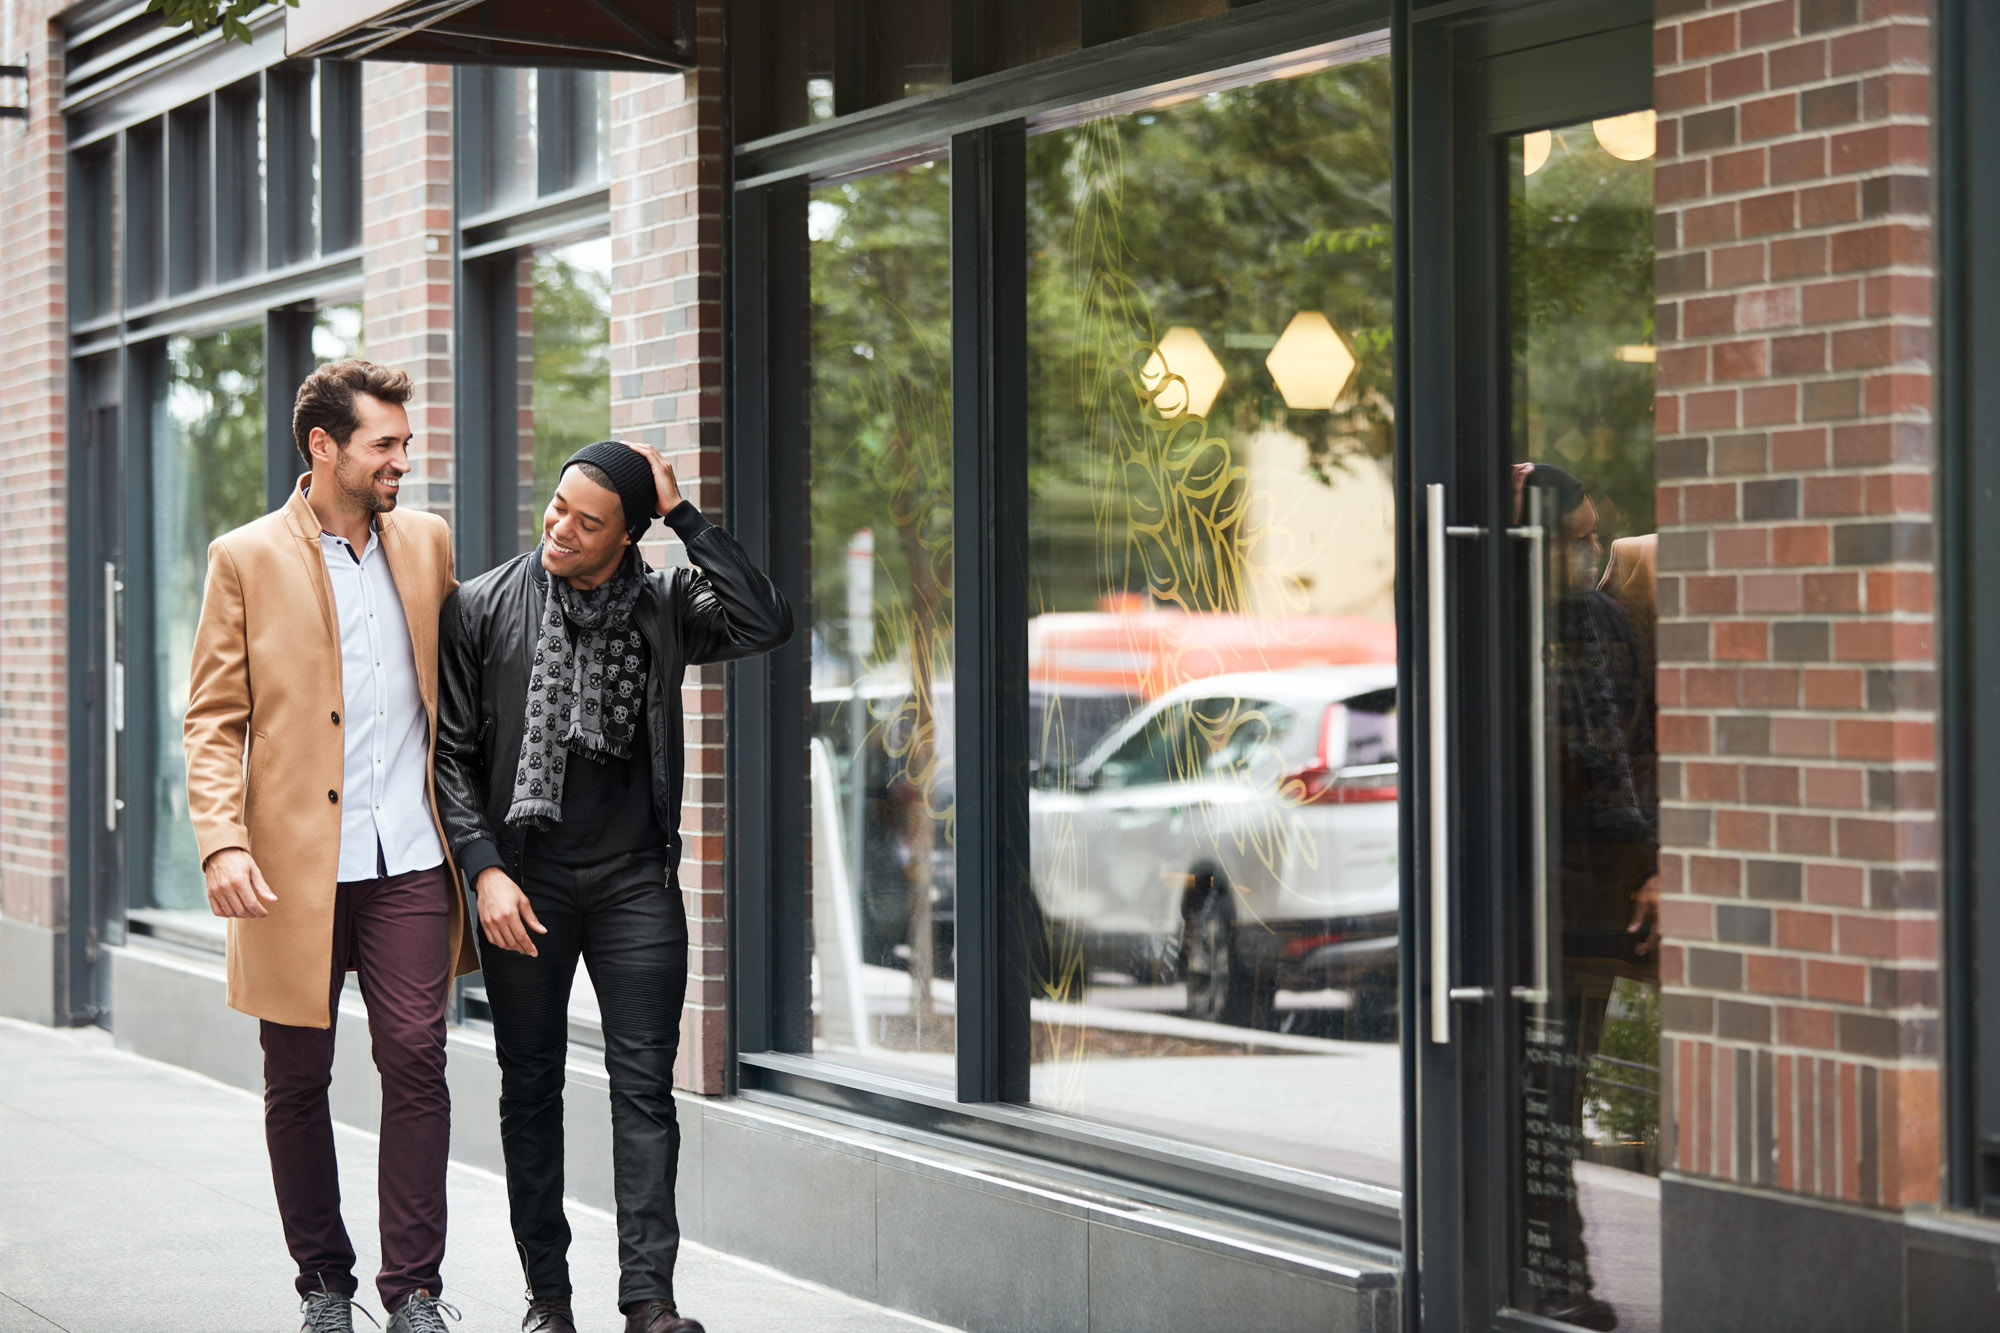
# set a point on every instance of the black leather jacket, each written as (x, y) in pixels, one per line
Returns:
(723, 609)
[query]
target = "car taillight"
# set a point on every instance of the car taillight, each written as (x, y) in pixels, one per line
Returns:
(1324, 783)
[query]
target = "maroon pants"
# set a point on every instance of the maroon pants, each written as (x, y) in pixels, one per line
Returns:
(394, 932)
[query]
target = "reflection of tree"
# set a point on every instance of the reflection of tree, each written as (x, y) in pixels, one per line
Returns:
(1582, 251)
(572, 364)
(217, 403)
(207, 477)
(881, 460)
(1230, 214)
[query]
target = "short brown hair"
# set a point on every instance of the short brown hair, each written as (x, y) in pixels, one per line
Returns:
(326, 399)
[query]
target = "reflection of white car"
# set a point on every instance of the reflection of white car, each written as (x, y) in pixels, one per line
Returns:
(1241, 830)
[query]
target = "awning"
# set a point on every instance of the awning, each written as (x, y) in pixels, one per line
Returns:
(644, 35)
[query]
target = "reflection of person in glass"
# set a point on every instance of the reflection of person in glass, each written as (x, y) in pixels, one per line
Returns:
(1604, 762)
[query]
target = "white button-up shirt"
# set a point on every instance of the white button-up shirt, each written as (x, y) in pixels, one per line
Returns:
(385, 792)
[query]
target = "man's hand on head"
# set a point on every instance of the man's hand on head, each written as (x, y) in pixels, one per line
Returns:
(505, 914)
(665, 484)
(236, 887)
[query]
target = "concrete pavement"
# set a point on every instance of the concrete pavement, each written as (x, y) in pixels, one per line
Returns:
(135, 1197)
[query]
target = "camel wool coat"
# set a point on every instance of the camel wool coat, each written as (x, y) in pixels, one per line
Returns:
(265, 750)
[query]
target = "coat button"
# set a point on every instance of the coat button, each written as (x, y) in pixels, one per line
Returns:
(333, 796)
(336, 717)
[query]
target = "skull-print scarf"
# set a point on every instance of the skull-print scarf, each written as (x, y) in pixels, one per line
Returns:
(585, 690)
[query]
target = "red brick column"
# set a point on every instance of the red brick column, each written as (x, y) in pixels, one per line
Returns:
(1797, 676)
(406, 311)
(34, 432)
(666, 391)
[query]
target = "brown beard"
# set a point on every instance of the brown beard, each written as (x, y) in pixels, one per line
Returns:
(366, 495)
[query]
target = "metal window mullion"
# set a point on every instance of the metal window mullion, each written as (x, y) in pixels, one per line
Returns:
(989, 606)
(766, 479)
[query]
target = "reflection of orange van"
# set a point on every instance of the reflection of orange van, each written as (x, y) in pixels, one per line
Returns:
(1148, 652)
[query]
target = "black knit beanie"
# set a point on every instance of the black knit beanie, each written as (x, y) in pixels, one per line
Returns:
(631, 476)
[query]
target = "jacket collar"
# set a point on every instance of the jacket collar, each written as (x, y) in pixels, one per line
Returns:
(304, 523)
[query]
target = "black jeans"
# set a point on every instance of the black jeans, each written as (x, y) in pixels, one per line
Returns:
(625, 919)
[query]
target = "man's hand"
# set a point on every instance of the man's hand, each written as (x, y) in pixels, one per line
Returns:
(235, 884)
(1646, 916)
(668, 488)
(505, 913)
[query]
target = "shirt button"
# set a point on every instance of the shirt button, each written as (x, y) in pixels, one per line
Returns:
(333, 796)
(336, 717)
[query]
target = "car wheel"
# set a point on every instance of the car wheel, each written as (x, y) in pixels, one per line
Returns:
(1374, 1012)
(1222, 985)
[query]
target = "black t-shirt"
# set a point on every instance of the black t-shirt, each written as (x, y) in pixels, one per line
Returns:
(607, 807)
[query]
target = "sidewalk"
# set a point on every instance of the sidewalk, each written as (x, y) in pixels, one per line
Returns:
(136, 1198)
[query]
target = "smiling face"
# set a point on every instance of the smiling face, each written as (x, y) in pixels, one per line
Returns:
(367, 470)
(583, 530)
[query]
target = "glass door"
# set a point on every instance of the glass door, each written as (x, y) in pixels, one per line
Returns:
(1578, 938)
(1539, 1086)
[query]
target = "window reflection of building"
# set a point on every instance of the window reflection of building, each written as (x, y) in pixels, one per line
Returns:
(1212, 556)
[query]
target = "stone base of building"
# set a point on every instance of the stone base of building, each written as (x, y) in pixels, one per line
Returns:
(918, 1226)
(1756, 1260)
(31, 971)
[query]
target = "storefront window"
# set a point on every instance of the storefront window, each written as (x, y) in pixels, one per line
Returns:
(207, 476)
(565, 369)
(881, 622)
(1212, 654)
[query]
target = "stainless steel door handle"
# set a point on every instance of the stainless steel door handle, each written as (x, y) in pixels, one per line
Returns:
(113, 697)
(1443, 993)
(1535, 534)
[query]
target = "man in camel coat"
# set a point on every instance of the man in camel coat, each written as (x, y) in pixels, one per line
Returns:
(312, 712)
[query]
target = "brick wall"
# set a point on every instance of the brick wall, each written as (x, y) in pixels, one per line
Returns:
(34, 406)
(406, 307)
(1796, 682)
(666, 391)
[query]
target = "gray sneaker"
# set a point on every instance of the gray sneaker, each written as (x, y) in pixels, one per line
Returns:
(422, 1313)
(327, 1312)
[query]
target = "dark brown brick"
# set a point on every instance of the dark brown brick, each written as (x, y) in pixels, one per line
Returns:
(1706, 131)
(1676, 274)
(1684, 1013)
(1686, 828)
(1881, 543)
(1715, 969)
(1892, 888)
(1835, 104)
(1739, 924)
(1892, 688)
(1743, 735)
(1831, 400)
(1802, 641)
(1771, 499)
(1825, 15)
(1774, 881)
(1743, 1020)
(1887, 196)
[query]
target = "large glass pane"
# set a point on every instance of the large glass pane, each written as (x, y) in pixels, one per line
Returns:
(565, 369)
(1214, 724)
(1585, 1063)
(881, 761)
(511, 109)
(207, 465)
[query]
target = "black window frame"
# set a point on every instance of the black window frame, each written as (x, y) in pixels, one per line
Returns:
(985, 118)
(1968, 598)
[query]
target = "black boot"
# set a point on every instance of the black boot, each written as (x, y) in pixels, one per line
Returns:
(658, 1317)
(548, 1314)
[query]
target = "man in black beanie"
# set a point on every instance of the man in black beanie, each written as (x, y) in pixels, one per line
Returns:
(559, 770)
